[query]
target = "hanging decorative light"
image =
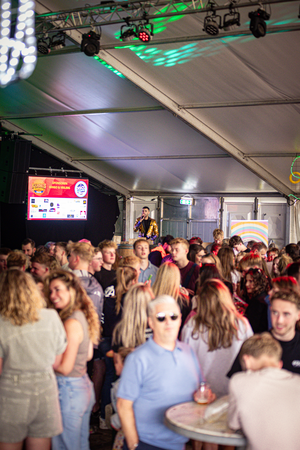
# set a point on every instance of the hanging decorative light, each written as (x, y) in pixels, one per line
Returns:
(18, 52)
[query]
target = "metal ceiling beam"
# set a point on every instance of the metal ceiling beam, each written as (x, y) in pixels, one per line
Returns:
(83, 112)
(66, 158)
(204, 194)
(268, 102)
(151, 158)
(271, 155)
(174, 40)
(133, 11)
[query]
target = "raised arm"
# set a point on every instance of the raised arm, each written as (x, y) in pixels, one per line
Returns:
(126, 414)
(138, 222)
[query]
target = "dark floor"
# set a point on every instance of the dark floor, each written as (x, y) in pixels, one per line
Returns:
(101, 440)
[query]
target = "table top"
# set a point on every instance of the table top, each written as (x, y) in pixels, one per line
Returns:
(188, 420)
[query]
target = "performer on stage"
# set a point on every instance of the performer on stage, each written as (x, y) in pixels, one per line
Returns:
(146, 226)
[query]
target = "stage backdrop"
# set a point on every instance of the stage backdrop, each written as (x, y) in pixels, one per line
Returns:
(256, 230)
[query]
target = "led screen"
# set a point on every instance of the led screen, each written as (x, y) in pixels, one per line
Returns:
(52, 198)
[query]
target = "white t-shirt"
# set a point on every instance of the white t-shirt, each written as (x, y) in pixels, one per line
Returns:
(216, 364)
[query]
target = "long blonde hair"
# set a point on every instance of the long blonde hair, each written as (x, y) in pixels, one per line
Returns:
(79, 300)
(20, 297)
(130, 331)
(216, 315)
(126, 276)
(167, 281)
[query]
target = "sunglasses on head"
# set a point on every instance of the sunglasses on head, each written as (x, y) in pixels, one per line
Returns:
(161, 317)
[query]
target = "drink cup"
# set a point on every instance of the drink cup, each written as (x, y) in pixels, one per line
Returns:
(202, 394)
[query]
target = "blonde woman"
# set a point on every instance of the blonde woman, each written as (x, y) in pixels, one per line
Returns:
(126, 277)
(32, 340)
(167, 282)
(216, 333)
(64, 292)
(130, 332)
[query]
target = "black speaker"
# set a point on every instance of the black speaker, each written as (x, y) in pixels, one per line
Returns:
(15, 155)
(13, 187)
(14, 166)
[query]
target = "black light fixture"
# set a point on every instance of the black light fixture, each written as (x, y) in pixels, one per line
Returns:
(212, 24)
(90, 43)
(128, 32)
(58, 41)
(258, 25)
(231, 19)
(47, 43)
(43, 46)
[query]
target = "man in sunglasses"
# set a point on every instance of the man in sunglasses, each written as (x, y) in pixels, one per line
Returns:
(157, 375)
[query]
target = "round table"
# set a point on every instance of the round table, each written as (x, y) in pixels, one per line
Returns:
(187, 419)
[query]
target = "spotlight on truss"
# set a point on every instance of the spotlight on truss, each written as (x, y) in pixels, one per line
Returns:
(258, 25)
(128, 32)
(90, 43)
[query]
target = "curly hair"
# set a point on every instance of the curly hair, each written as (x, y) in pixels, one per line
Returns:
(216, 315)
(79, 300)
(20, 298)
(260, 281)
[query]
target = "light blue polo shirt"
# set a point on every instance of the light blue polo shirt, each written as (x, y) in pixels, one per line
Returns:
(144, 274)
(156, 379)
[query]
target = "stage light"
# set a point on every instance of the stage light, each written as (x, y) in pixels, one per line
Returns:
(90, 43)
(212, 24)
(128, 32)
(231, 19)
(43, 47)
(258, 25)
(58, 41)
(145, 31)
(144, 35)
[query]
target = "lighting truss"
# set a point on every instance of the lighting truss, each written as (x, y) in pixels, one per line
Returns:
(116, 12)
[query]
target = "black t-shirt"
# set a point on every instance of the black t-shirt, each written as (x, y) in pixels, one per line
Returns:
(146, 225)
(106, 278)
(291, 354)
(290, 357)
(110, 316)
(257, 313)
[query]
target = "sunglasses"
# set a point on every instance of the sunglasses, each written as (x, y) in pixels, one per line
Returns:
(161, 317)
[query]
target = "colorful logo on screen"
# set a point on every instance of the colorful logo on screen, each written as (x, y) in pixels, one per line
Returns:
(80, 188)
(39, 187)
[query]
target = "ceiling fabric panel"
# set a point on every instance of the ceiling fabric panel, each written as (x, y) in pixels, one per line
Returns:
(179, 77)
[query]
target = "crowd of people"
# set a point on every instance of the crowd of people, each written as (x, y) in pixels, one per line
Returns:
(82, 328)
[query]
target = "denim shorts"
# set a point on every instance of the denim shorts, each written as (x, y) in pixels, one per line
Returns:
(29, 406)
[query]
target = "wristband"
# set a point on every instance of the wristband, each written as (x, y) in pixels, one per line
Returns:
(133, 447)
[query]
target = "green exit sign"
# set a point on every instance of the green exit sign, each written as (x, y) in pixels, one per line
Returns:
(187, 201)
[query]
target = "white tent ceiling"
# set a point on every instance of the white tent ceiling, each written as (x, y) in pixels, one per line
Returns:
(212, 116)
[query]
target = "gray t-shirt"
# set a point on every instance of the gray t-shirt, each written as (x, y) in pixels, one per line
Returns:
(32, 347)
